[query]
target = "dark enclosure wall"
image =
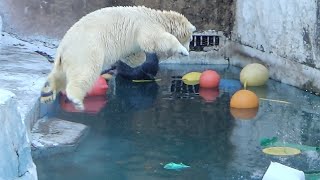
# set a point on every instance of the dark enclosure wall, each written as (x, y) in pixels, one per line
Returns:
(52, 18)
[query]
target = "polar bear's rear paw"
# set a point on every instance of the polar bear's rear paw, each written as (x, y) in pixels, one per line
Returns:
(78, 104)
(46, 100)
(79, 107)
(47, 95)
(183, 51)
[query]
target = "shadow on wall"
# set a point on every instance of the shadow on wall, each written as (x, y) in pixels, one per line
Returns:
(52, 18)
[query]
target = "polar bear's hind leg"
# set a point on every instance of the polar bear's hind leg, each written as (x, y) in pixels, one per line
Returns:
(80, 80)
(54, 84)
(75, 93)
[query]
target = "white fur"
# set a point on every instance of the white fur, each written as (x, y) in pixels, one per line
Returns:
(104, 36)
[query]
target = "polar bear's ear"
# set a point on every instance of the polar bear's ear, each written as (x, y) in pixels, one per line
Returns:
(192, 28)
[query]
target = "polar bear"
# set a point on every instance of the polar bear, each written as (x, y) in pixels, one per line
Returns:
(104, 36)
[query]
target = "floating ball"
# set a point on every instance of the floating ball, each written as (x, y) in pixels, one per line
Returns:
(244, 99)
(229, 85)
(254, 75)
(209, 79)
(99, 88)
(191, 78)
(92, 104)
(209, 95)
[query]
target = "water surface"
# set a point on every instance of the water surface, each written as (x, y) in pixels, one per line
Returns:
(144, 126)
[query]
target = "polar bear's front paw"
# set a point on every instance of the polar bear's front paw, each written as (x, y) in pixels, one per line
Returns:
(183, 51)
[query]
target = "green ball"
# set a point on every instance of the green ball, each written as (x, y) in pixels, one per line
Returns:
(254, 74)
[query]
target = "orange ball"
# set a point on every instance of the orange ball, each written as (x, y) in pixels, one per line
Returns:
(244, 99)
(209, 79)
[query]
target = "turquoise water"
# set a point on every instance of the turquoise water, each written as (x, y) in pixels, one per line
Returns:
(144, 126)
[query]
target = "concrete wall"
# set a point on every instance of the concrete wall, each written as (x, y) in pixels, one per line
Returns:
(282, 34)
(287, 29)
(52, 18)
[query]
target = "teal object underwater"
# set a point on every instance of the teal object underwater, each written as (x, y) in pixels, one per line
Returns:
(175, 166)
(312, 176)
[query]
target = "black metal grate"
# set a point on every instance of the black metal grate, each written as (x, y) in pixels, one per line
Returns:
(177, 86)
(200, 41)
(181, 90)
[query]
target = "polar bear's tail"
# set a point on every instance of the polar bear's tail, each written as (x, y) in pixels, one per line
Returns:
(55, 82)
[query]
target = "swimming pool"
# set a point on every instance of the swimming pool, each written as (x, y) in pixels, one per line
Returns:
(144, 126)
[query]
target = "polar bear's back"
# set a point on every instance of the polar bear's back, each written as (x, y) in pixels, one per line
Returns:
(113, 20)
(113, 28)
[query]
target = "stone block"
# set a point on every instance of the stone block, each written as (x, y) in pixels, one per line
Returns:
(53, 135)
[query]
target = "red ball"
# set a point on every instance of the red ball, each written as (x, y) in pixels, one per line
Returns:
(209, 79)
(99, 88)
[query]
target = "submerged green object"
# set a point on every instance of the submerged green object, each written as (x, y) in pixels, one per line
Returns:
(312, 175)
(175, 166)
(272, 142)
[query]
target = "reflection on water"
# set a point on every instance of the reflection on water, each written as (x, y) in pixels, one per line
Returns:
(143, 126)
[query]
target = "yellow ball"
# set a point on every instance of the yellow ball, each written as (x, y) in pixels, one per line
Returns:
(254, 75)
(191, 78)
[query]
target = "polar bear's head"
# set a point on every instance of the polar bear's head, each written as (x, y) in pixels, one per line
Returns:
(179, 26)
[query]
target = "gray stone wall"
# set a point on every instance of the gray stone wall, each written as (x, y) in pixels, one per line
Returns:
(51, 18)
